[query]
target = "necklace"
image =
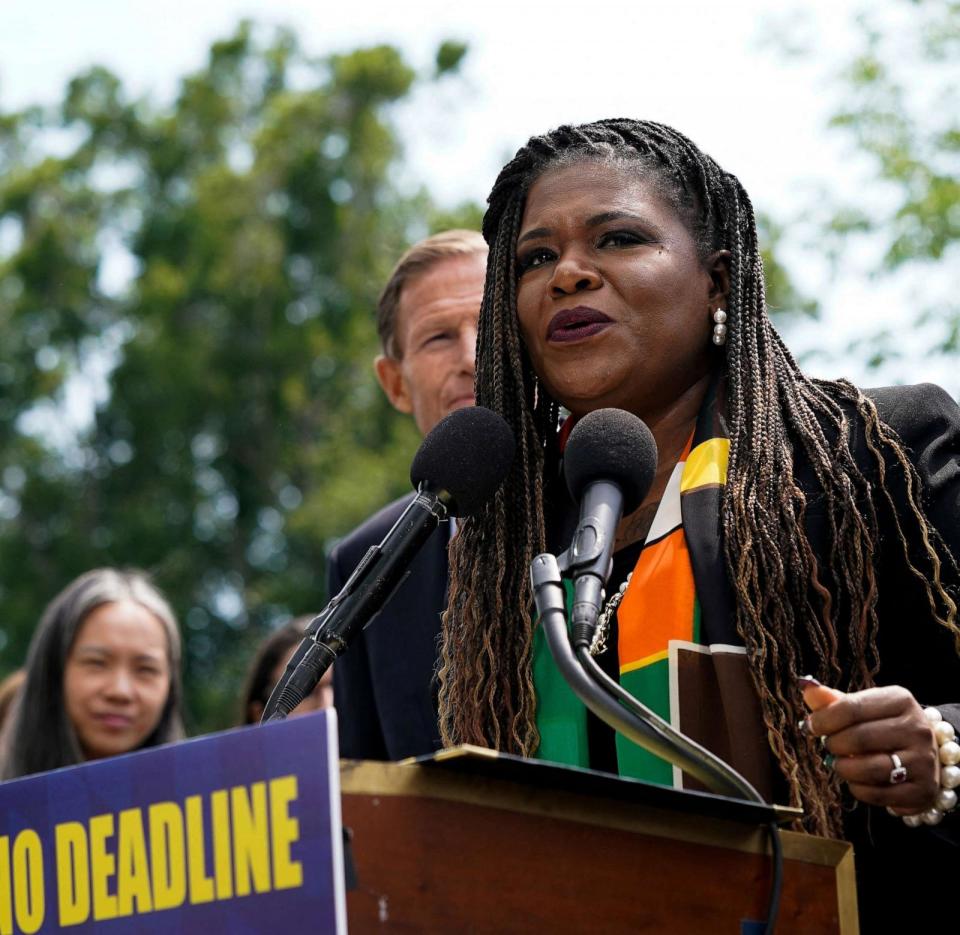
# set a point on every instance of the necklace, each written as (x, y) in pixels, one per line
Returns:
(599, 642)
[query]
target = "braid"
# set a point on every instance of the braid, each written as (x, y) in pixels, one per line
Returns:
(783, 597)
(486, 683)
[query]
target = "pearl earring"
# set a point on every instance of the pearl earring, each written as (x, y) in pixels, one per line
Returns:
(719, 327)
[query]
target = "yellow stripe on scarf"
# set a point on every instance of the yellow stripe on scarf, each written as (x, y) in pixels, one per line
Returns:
(643, 663)
(706, 465)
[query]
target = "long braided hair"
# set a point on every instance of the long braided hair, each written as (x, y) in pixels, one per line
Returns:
(773, 410)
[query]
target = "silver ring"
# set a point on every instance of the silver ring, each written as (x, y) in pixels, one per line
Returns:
(899, 772)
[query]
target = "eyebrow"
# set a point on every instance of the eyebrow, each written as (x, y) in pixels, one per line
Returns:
(96, 649)
(92, 648)
(594, 221)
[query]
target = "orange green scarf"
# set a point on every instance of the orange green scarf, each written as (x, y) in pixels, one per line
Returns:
(662, 609)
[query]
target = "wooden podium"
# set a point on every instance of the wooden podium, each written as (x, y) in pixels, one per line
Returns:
(474, 841)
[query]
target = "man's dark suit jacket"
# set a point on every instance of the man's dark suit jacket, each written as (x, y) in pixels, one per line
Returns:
(384, 683)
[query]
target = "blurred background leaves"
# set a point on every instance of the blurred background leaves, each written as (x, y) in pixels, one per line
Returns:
(205, 274)
(187, 294)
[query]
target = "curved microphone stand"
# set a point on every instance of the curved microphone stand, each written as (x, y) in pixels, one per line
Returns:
(614, 705)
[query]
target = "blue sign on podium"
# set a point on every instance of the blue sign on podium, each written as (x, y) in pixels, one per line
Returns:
(236, 832)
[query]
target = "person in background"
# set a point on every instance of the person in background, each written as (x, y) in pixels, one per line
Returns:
(8, 692)
(427, 321)
(267, 667)
(102, 676)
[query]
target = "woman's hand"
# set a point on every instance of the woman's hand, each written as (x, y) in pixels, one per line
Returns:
(864, 731)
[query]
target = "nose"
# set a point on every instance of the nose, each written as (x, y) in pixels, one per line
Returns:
(120, 685)
(468, 348)
(572, 274)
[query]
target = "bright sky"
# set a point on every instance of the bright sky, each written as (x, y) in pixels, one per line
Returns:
(705, 68)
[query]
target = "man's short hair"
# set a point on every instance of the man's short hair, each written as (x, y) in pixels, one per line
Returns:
(420, 258)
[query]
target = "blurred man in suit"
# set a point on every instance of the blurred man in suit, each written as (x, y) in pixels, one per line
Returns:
(384, 684)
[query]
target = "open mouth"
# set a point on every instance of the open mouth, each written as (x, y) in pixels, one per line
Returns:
(576, 324)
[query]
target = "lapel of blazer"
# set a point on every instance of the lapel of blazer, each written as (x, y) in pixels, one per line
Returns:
(410, 631)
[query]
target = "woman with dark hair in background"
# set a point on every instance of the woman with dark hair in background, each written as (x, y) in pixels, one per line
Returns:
(102, 676)
(268, 666)
(801, 526)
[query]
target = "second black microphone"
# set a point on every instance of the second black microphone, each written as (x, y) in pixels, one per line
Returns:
(459, 466)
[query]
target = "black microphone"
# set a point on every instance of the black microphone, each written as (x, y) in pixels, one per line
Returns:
(609, 464)
(458, 467)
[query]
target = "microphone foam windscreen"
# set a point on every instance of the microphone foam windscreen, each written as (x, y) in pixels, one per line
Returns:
(611, 445)
(467, 454)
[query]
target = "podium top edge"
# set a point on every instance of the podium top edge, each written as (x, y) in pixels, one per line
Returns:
(491, 764)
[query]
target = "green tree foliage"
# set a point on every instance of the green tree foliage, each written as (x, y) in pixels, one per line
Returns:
(450, 55)
(900, 114)
(239, 428)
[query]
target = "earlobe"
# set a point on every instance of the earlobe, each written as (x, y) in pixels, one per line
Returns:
(390, 377)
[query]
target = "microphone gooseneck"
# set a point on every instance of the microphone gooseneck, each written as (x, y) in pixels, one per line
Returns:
(609, 464)
(613, 704)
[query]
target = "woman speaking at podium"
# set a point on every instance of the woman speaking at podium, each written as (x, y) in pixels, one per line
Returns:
(805, 526)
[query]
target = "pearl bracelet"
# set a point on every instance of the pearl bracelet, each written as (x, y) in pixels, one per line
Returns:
(946, 799)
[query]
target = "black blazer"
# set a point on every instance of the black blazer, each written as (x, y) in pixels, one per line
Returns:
(898, 868)
(384, 685)
(914, 650)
